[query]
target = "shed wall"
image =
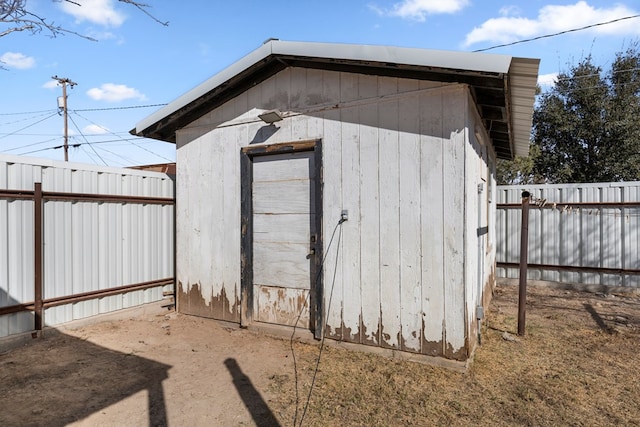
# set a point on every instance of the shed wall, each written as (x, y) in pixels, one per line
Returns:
(393, 155)
(480, 208)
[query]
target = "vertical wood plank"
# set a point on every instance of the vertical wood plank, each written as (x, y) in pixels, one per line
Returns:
(332, 152)
(313, 96)
(369, 212)
(246, 230)
(206, 225)
(317, 284)
(297, 96)
(454, 188)
(183, 219)
(231, 236)
(389, 216)
(350, 201)
(268, 99)
(214, 222)
(298, 89)
(432, 217)
(410, 235)
(281, 102)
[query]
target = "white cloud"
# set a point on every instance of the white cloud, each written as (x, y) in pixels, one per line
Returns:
(100, 12)
(552, 19)
(17, 60)
(95, 130)
(51, 84)
(546, 80)
(419, 9)
(113, 93)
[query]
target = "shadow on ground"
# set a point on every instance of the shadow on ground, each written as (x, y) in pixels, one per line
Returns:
(255, 404)
(84, 379)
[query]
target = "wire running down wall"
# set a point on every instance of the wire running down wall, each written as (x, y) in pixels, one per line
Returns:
(578, 233)
(106, 240)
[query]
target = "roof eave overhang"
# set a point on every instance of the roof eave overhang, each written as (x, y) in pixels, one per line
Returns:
(521, 93)
(502, 89)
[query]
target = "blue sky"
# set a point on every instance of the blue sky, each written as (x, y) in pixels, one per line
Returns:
(137, 63)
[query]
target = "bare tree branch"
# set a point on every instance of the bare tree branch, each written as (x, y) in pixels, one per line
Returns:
(142, 7)
(15, 14)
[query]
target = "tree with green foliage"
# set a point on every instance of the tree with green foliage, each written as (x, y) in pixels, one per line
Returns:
(519, 170)
(586, 128)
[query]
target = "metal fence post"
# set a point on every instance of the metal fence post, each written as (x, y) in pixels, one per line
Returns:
(524, 250)
(37, 256)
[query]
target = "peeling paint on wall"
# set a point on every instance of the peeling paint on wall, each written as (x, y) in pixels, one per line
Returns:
(282, 306)
(459, 354)
(368, 338)
(218, 307)
(386, 341)
(347, 334)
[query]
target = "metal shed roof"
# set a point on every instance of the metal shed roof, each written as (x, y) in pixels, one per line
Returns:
(502, 86)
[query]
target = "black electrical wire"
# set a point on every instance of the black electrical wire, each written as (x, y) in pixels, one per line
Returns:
(119, 108)
(129, 139)
(573, 30)
(27, 127)
(295, 367)
(86, 140)
(30, 145)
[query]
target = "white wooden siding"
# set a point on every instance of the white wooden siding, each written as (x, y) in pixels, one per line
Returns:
(394, 157)
(479, 263)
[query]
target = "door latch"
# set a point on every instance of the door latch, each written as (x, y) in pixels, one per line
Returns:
(312, 248)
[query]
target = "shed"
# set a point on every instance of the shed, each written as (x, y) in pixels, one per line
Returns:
(346, 190)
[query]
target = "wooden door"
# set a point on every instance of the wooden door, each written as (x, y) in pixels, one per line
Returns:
(284, 236)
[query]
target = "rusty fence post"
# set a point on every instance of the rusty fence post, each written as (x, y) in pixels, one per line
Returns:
(37, 256)
(524, 252)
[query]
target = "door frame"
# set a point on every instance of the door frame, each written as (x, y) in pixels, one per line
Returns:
(316, 294)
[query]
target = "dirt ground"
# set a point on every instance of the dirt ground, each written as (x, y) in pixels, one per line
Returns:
(577, 365)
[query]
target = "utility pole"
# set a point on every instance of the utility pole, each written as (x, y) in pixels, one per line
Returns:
(64, 82)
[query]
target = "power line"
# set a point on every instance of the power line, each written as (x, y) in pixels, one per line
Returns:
(30, 145)
(85, 138)
(558, 33)
(73, 145)
(26, 112)
(27, 127)
(126, 159)
(28, 118)
(120, 108)
(131, 140)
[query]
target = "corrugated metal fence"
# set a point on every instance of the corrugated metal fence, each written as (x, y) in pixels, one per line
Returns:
(583, 233)
(79, 240)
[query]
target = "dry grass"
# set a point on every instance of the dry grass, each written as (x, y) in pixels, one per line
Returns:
(577, 365)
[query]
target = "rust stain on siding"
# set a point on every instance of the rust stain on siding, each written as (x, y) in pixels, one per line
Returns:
(461, 354)
(409, 349)
(430, 348)
(330, 332)
(219, 307)
(343, 333)
(374, 340)
(283, 306)
(386, 338)
(489, 287)
(438, 348)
